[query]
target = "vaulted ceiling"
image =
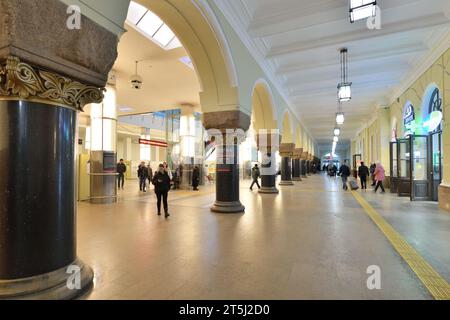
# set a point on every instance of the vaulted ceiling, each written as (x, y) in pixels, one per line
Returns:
(297, 43)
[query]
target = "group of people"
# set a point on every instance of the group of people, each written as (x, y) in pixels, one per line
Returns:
(163, 180)
(376, 171)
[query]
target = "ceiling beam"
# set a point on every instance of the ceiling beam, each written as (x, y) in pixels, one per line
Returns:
(429, 21)
(372, 56)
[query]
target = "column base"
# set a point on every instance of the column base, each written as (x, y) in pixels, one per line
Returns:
(296, 179)
(286, 183)
(49, 286)
(269, 190)
(228, 207)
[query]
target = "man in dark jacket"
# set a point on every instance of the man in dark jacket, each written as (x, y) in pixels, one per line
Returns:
(344, 172)
(256, 174)
(363, 173)
(161, 181)
(195, 178)
(143, 176)
(121, 169)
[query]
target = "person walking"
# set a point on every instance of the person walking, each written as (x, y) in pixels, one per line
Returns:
(380, 175)
(373, 166)
(256, 174)
(344, 172)
(363, 173)
(195, 178)
(121, 169)
(143, 176)
(161, 181)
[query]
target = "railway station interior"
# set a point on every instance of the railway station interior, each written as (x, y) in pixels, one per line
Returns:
(94, 91)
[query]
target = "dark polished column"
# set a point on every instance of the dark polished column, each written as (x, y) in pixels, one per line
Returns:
(269, 175)
(303, 166)
(37, 188)
(286, 152)
(227, 180)
(228, 129)
(296, 167)
(268, 142)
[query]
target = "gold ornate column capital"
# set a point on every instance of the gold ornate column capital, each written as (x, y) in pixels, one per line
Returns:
(298, 153)
(21, 81)
(287, 149)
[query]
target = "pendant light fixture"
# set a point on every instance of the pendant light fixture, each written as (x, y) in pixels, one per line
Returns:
(340, 118)
(344, 87)
(337, 131)
(362, 9)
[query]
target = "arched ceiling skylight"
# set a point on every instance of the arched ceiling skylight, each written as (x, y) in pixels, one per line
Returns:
(151, 26)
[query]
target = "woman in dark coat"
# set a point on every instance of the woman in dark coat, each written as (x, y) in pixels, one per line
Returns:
(161, 181)
(195, 178)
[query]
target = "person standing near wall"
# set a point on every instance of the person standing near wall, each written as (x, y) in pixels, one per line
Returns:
(150, 174)
(363, 173)
(121, 169)
(143, 176)
(195, 178)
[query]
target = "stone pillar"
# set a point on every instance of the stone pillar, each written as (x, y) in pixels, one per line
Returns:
(286, 152)
(296, 165)
(46, 77)
(268, 146)
(222, 125)
(303, 165)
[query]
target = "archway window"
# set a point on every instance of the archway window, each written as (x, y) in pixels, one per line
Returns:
(151, 26)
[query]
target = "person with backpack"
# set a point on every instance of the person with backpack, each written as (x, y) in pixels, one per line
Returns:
(256, 174)
(161, 181)
(363, 173)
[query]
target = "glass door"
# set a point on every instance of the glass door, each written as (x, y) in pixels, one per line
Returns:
(394, 167)
(421, 180)
(404, 167)
(435, 162)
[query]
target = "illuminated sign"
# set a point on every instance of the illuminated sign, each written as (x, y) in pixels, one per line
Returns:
(434, 118)
(153, 143)
(409, 118)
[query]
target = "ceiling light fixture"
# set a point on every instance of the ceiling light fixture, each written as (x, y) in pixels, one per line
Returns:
(344, 87)
(362, 9)
(337, 132)
(336, 139)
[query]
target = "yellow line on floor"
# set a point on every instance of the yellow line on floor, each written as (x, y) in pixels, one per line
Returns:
(433, 281)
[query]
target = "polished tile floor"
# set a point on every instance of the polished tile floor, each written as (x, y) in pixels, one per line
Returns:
(312, 241)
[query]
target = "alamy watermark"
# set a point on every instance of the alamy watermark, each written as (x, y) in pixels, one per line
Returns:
(74, 20)
(374, 23)
(74, 279)
(374, 280)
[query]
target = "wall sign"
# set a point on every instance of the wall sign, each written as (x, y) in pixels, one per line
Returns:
(409, 119)
(154, 143)
(433, 120)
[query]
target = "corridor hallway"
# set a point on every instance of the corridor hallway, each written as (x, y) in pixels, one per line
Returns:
(312, 241)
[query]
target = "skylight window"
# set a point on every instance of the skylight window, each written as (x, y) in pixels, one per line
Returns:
(187, 61)
(150, 25)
